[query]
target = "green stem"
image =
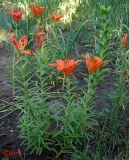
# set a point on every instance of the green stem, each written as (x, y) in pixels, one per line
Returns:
(68, 83)
(92, 81)
(16, 29)
(26, 91)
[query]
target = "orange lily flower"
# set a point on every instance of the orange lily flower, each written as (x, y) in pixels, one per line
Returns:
(65, 66)
(15, 15)
(21, 44)
(93, 64)
(37, 11)
(55, 17)
(124, 40)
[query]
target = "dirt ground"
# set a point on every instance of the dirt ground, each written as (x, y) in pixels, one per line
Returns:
(5, 64)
